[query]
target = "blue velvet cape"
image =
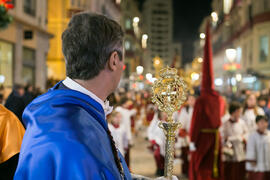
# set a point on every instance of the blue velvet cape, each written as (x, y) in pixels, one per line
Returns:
(66, 139)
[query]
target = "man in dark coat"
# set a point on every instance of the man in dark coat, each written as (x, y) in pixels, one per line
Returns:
(15, 101)
(28, 94)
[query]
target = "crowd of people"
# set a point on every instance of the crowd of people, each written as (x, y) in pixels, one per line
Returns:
(245, 138)
(11, 126)
(244, 131)
(19, 98)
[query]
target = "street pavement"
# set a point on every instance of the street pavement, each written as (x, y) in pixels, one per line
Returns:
(142, 160)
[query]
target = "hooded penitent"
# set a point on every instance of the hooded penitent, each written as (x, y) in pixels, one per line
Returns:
(205, 161)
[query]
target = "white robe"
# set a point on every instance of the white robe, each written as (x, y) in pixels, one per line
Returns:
(250, 118)
(258, 149)
(126, 122)
(119, 136)
(235, 133)
(156, 133)
(184, 117)
(225, 118)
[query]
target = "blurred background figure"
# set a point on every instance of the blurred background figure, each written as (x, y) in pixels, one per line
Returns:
(263, 103)
(258, 151)
(185, 117)
(126, 113)
(15, 102)
(37, 92)
(150, 112)
(157, 140)
(117, 130)
(28, 94)
(250, 111)
(1, 98)
(12, 132)
(234, 135)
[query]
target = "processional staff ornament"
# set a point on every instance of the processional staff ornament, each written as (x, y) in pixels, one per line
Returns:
(169, 93)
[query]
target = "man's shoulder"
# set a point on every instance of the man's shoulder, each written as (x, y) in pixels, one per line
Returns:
(63, 99)
(53, 112)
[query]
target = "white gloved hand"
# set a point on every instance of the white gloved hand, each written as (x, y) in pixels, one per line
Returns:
(164, 178)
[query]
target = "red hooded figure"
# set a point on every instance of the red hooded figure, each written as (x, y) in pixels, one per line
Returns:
(205, 162)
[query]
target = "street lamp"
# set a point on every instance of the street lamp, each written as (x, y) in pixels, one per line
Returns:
(231, 54)
(157, 61)
(145, 36)
(139, 70)
(238, 77)
(144, 41)
(200, 60)
(202, 36)
(136, 20)
(214, 16)
(195, 76)
(149, 76)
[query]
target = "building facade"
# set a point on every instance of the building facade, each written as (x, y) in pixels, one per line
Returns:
(158, 24)
(24, 45)
(110, 8)
(130, 21)
(242, 25)
(177, 55)
(59, 14)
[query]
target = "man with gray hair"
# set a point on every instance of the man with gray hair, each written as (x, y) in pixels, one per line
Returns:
(67, 135)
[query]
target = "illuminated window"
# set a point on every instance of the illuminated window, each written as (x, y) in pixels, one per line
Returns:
(128, 24)
(28, 71)
(264, 46)
(6, 56)
(238, 54)
(127, 45)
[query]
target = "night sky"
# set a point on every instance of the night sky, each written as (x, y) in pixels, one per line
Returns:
(188, 15)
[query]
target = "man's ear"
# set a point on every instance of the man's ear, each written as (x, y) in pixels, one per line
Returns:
(113, 60)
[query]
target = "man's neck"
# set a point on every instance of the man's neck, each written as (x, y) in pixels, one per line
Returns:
(97, 86)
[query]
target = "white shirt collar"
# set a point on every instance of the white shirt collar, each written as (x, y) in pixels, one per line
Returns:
(71, 84)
